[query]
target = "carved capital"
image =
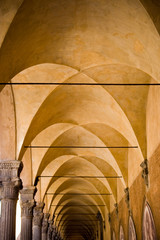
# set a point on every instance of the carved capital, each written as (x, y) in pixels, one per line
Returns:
(27, 208)
(145, 172)
(38, 214)
(9, 179)
(10, 170)
(10, 189)
(45, 222)
(27, 201)
(37, 220)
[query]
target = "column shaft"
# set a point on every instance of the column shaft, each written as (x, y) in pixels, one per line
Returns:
(50, 230)
(26, 228)
(37, 221)
(8, 219)
(27, 204)
(45, 226)
(10, 185)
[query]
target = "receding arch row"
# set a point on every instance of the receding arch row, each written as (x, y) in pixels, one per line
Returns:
(49, 87)
(101, 184)
(77, 136)
(48, 157)
(56, 201)
(61, 159)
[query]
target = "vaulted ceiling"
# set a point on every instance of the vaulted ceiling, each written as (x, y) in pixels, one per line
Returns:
(85, 41)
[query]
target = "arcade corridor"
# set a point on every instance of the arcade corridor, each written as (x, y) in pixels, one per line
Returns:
(79, 119)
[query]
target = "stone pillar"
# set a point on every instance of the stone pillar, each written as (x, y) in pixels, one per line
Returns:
(50, 230)
(45, 226)
(54, 234)
(27, 204)
(99, 217)
(10, 185)
(56, 237)
(37, 221)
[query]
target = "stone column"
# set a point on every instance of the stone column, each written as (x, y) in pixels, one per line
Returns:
(99, 217)
(50, 230)
(58, 236)
(10, 186)
(54, 234)
(45, 226)
(27, 204)
(37, 221)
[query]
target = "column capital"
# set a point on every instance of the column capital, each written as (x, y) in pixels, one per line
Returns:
(10, 170)
(38, 214)
(45, 222)
(28, 192)
(10, 184)
(9, 178)
(27, 197)
(27, 208)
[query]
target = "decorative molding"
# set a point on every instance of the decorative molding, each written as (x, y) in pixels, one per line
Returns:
(145, 172)
(10, 169)
(10, 164)
(28, 191)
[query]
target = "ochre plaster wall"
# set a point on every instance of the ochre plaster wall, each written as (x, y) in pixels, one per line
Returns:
(138, 194)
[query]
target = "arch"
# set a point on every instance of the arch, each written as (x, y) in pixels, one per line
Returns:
(148, 225)
(134, 46)
(7, 124)
(121, 233)
(132, 230)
